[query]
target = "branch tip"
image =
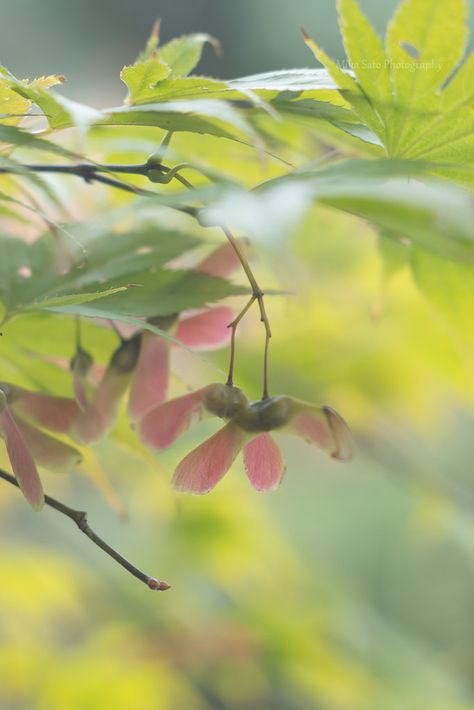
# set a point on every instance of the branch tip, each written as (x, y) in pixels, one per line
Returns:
(158, 585)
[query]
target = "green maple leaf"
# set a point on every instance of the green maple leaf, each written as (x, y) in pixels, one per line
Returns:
(409, 92)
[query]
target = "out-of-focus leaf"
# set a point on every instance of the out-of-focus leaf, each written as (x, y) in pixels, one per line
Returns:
(54, 112)
(449, 286)
(408, 93)
(160, 293)
(59, 111)
(73, 299)
(182, 54)
(103, 266)
(23, 286)
(425, 42)
(446, 134)
(14, 257)
(142, 77)
(323, 118)
(189, 87)
(152, 43)
(12, 105)
(23, 139)
(296, 80)
(393, 252)
(114, 254)
(366, 54)
(215, 117)
(349, 88)
(435, 216)
(30, 176)
(46, 82)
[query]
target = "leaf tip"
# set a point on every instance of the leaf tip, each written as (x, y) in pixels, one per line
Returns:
(216, 45)
(155, 30)
(306, 36)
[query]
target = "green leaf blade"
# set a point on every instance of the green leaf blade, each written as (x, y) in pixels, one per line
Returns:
(425, 41)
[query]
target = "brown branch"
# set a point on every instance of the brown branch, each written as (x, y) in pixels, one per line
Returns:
(80, 518)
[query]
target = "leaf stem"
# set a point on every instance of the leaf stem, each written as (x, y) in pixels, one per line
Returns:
(233, 325)
(77, 324)
(257, 295)
(80, 518)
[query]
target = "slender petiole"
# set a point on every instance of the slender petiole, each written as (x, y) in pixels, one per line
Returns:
(78, 332)
(164, 144)
(233, 326)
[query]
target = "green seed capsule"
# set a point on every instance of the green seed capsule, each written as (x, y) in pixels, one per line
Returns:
(164, 322)
(266, 414)
(224, 401)
(82, 360)
(125, 357)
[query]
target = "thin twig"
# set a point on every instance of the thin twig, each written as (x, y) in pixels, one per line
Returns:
(92, 173)
(233, 326)
(80, 518)
(87, 171)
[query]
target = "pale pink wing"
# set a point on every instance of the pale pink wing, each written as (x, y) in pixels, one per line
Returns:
(325, 428)
(21, 460)
(264, 463)
(221, 262)
(162, 425)
(47, 451)
(342, 435)
(101, 412)
(207, 330)
(150, 384)
(204, 467)
(50, 412)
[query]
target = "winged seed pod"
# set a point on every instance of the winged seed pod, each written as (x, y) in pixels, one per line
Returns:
(80, 365)
(99, 416)
(248, 426)
(206, 330)
(27, 445)
(162, 425)
(22, 463)
(248, 429)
